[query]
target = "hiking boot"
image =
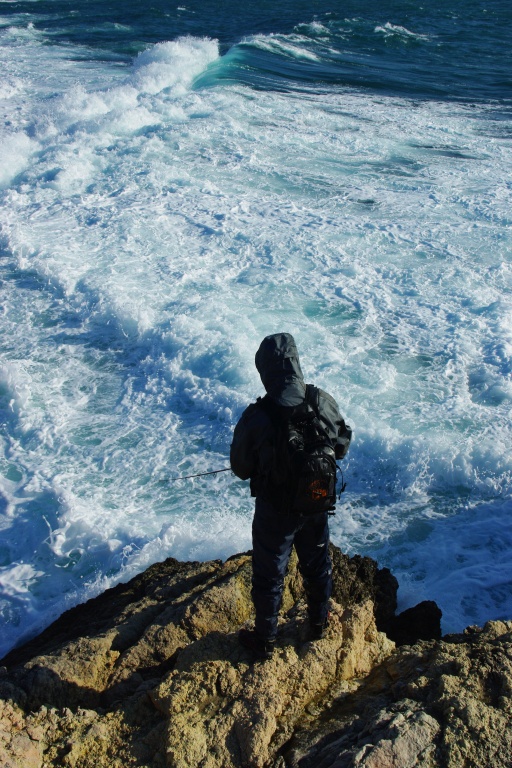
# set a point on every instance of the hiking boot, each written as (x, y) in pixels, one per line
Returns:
(261, 648)
(317, 631)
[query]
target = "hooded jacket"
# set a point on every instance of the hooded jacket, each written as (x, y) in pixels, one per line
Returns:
(252, 449)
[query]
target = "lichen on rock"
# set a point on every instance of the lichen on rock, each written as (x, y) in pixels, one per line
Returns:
(151, 674)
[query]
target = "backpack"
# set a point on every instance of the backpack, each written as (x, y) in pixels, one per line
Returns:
(303, 477)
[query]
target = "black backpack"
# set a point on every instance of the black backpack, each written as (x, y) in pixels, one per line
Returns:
(303, 478)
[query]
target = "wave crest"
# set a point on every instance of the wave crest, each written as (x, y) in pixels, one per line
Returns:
(174, 64)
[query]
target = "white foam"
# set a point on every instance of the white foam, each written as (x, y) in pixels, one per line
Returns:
(10, 86)
(287, 45)
(16, 149)
(173, 65)
(17, 579)
(389, 30)
(314, 28)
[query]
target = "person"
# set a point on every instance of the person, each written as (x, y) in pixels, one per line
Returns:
(276, 528)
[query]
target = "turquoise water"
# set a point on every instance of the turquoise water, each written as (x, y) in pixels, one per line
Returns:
(180, 181)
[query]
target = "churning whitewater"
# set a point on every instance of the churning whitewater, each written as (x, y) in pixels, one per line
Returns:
(167, 204)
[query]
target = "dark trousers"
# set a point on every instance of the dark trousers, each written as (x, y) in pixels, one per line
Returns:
(273, 536)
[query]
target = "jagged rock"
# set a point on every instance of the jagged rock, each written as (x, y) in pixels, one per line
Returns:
(357, 579)
(422, 622)
(151, 674)
(219, 704)
(443, 704)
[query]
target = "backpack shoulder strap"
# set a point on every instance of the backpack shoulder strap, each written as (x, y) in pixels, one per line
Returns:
(313, 400)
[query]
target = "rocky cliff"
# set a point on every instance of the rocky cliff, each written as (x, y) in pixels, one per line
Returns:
(151, 674)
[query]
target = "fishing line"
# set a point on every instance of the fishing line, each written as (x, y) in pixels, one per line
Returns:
(228, 469)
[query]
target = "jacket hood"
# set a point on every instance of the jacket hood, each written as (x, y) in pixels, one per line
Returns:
(277, 361)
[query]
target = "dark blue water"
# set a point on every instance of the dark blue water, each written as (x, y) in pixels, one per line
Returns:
(447, 50)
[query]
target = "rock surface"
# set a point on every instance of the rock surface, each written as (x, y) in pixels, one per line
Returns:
(150, 674)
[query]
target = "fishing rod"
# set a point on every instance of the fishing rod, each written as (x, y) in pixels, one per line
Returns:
(200, 474)
(228, 469)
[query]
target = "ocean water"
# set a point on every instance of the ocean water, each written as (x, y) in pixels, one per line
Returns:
(178, 181)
